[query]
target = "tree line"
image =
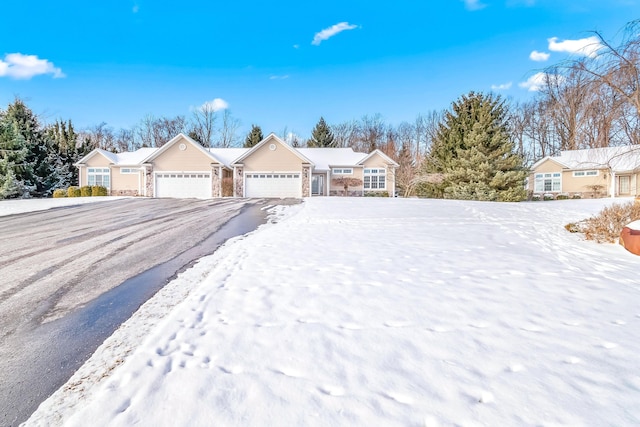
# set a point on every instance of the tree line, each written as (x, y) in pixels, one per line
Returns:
(586, 102)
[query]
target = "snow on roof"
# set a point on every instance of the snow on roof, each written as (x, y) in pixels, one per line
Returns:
(108, 154)
(324, 158)
(134, 157)
(227, 155)
(624, 158)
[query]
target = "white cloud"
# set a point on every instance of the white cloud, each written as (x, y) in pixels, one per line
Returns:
(537, 81)
(539, 56)
(588, 46)
(135, 8)
(216, 104)
(19, 66)
(473, 4)
(503, 86)
(286, 76)
(331, 31)
(296, 46)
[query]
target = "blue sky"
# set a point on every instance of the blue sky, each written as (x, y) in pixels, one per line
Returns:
(285, 64)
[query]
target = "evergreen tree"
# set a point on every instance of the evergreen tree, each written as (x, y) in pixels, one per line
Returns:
(321, 135)
(254, 137)
(474, 153)
(36, 168)
(63, 153)
(13, 153)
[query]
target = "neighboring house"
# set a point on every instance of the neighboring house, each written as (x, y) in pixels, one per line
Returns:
(272, 168)
(594, 172)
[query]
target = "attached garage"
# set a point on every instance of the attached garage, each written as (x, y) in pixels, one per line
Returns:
(287, 184)
(183, 185)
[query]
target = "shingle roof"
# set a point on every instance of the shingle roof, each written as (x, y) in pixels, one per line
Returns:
(620, 159)
(324, 158)
(227, 155)
(130, 158)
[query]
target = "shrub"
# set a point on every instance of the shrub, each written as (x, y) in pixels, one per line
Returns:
(577, 196)
(376, 194)
(98, 190)
(85, 191)
(562, 197)
(73, 192)
(59, 192)
(536, 198)
(548, 197)
(607, 225)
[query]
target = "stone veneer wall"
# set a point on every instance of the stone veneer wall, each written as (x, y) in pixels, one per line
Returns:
(215, 183)
(351, 193)
(149, 174)
(124, 193)
(306, 181)
(238, 183)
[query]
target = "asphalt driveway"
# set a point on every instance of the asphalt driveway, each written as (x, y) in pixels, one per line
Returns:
(55, 262)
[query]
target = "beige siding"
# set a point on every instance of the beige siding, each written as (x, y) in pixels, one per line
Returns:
(570, 183)
(266, 160)
(376, 161)
(584, 184)
(174, 159)
(97, 161)
(125, 183)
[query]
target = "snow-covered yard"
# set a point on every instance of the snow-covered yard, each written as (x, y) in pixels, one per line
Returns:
(16, 206)
(394, 312)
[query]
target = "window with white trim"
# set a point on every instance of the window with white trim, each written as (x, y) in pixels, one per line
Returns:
(585, 173)
(342, 171)
(375, 179)
(128, 170)
(548, 182)
(98, 176)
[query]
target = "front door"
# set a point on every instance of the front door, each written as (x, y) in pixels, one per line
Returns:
(317, 185)
(624, 185)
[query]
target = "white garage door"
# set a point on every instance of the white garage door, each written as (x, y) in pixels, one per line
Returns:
(273, 184)
(183, 185)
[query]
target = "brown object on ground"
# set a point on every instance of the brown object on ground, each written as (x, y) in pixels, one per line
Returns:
(630, 240)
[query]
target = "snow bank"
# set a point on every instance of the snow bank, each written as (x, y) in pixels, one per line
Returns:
(389, 312)
(16, 206)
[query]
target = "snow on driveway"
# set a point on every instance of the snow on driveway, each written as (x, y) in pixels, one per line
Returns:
(394, 312)
(16, 206)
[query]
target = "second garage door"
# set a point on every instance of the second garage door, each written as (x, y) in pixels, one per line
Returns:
(183, 185)
(273, 184)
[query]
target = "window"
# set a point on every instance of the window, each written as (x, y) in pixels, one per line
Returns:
(375, 179)
(342, 171)
(585, 173)
(548, 182)
(98, 176)
(128, 170)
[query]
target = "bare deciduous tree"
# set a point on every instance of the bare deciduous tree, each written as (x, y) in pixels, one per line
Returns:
(347, 182)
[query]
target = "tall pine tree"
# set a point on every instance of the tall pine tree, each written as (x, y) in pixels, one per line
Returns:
(37, 167)
(254, 137)
(474, 154)
(321, 136)
(13, 154)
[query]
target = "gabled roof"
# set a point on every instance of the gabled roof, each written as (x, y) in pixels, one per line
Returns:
(551, 159)
(619, 159)
(175, 140)
(381, 154)
(227, 155)
(112, 157)
(270, 138)
(325, 158)
(131, 158)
